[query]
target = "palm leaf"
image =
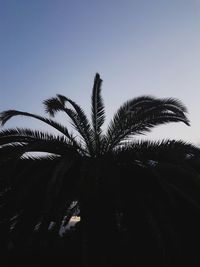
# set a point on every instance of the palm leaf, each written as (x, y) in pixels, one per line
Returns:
(27, 135)
(53, 105)
(139, 115)
(48, 158)
(81, 122)
(19, 149)
(8, 114)
(11, 151)
(174, 151)
(16, 142)
(77, 116)
(98, 111)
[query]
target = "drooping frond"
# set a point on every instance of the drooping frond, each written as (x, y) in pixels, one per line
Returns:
(139, 115)
(175, 151)
(175, 104)
(10, 151)
(36, 158)
(81, 124)
(19, 149)
(8, 114)
(98, 111)
(77, 116)
(20, 141)
(53, 105)
(28, 135)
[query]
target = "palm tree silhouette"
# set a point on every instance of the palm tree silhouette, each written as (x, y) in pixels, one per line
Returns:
(88, 169)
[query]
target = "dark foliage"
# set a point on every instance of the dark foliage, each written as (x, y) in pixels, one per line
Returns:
(138, 202)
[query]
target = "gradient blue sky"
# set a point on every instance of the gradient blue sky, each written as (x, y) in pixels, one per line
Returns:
(138, 47)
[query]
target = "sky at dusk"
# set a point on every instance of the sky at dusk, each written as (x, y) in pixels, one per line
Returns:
(139, 47)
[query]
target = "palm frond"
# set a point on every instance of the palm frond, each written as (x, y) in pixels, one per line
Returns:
(20, 141)
(8, 114)
(152, 105)
(174, 151)
(98, 111)
(81, 122)
(174, 104)
(139, 115)
(19, 149)
(77, 116)
(29, 135)
(48, 158)
(53, 105)
(10, 151)
(148, 102)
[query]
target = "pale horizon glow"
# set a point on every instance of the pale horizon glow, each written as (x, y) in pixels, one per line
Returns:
(139, 47)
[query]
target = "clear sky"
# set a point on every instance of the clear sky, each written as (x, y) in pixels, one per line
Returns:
(138, 47)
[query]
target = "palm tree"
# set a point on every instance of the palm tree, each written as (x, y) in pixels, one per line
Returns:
(85, 172)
